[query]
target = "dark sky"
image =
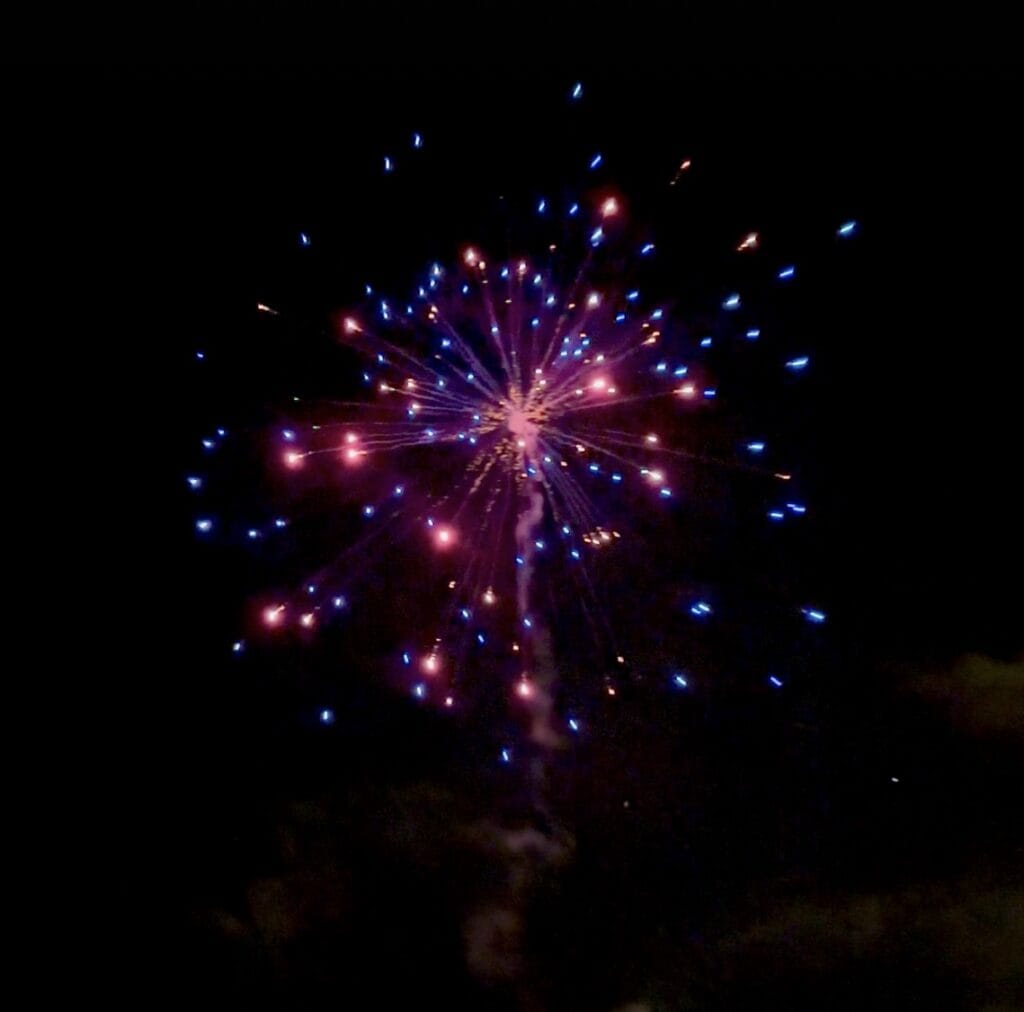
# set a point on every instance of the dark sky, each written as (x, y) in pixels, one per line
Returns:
(735, 851)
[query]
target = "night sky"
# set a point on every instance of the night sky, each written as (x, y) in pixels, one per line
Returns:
(852, 842)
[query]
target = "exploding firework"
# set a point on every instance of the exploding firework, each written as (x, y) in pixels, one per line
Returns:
(518, 417)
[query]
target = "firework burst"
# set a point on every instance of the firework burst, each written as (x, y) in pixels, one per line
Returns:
(515, 411)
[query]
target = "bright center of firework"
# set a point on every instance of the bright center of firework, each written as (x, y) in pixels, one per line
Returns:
(521, 425)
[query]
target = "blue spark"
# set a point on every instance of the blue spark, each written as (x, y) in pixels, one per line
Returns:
(419, 690)
(647, 249)
(574, 210)
(339, 601)
(595, 161)
(326, 716)
(577, 90)
(417, 141)
(388, 165)
(574, 724)
(777, 682)
(368, 511)
(194, 483)
(506, 755)
(753, 334)
(755, 447)
(845, 231)
(204, 525)
(813, 615)
(796, 364)
(786, 273)
(542, 206)
(303, 239)
(679, 681)
(200, 355)
(732, 302)
(632, 296)
(237, 647)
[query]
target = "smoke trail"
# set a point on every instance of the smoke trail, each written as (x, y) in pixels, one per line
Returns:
(538, 647)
